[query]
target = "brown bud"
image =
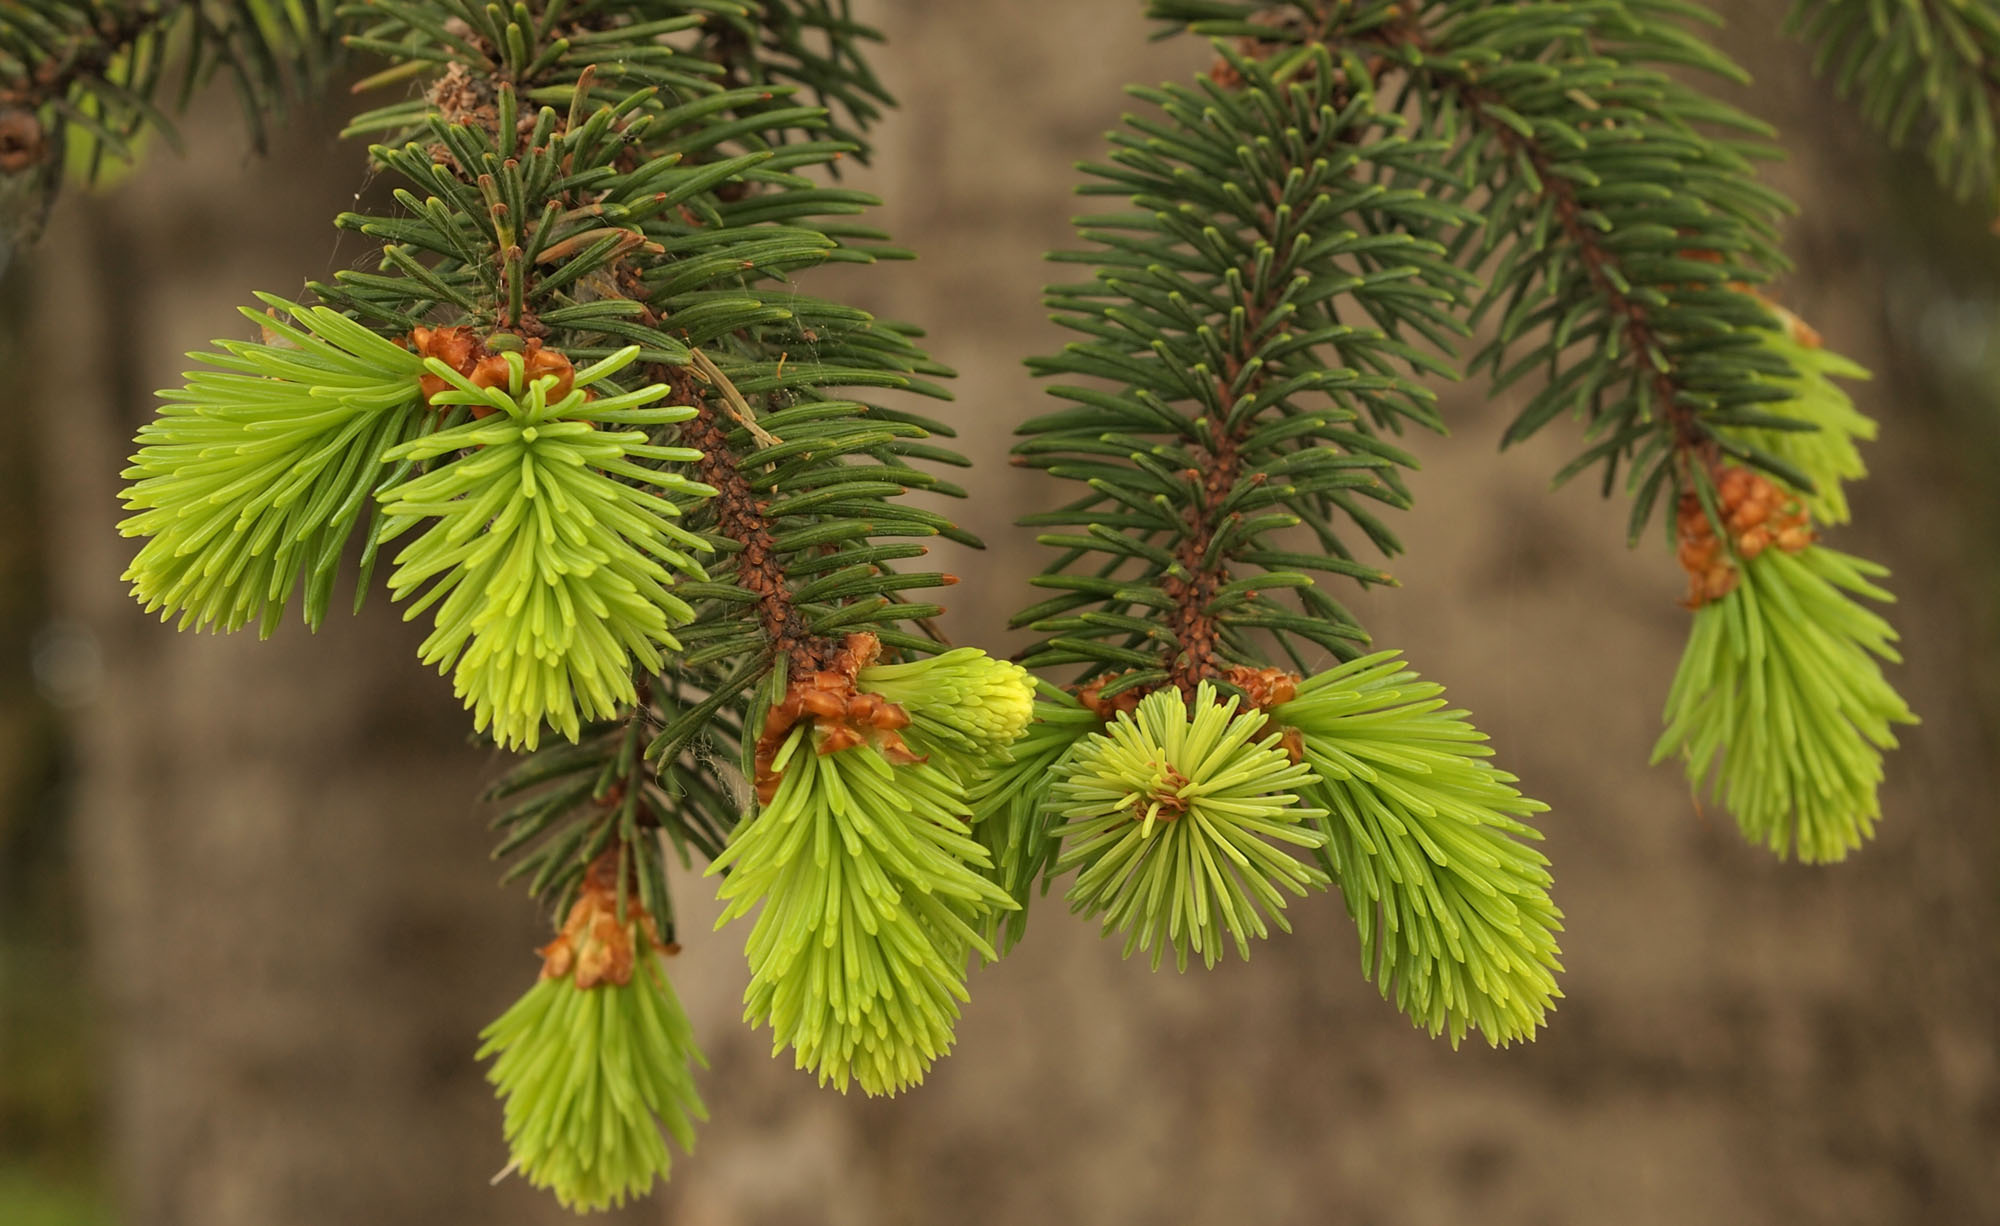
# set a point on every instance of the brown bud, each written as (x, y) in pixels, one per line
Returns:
(1749, 515)
(22, 141)
(542, 362)
(490, 371)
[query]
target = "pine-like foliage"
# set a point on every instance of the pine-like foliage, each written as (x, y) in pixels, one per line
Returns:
(252, 478)
(1236, 396)
(1180, 816)
(1611, 201)
(1624, 214)
(82, 81)
(551, 548)
(1922, 70)
(1619, 230)
(1429, 844)
(871, 904)
(693, 575)
(650, 207)
(1247, 333)
(1781, 694)
(589, 189)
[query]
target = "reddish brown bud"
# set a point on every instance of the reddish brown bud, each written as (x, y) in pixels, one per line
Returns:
(1263, 687)
(1757, 514)
(844, 716)
(22, 141)
(594, 945)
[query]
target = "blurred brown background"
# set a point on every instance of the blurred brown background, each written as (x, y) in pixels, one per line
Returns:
(250, 928)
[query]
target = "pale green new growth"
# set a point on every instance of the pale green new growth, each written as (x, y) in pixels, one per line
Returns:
(253, 476)
(965, 707)
(1425, 838)
(1780, 691)
(1830, 454)
(873, 896)
(590, 1075)
(549, 558)
(1176, 817)
(1011, 816)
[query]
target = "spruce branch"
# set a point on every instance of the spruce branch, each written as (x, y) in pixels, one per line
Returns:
(1246, 404)
(697, 208)
(583, 190)
(1920, 70)
(82, 80)
(1638, 312)
(1620, 201)
(1630, 234)
(1780, 695)
(1249, 316)
(669, 222)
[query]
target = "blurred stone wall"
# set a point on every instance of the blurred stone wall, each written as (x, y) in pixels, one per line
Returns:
(297, 932)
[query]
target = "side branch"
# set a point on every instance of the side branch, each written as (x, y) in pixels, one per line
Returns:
(1406, 44)
(114, 32)
(1691, 437)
